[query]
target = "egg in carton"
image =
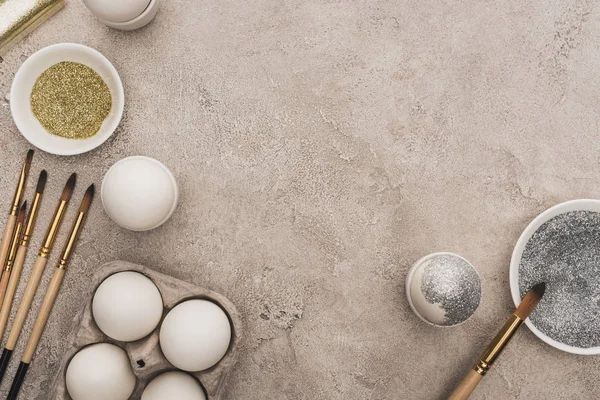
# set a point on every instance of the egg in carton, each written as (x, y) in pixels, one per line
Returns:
(145, 355)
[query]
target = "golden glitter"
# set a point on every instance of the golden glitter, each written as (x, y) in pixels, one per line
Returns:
(71, 100)
(19, 17)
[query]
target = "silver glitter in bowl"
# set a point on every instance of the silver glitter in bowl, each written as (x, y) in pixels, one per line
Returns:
(565, 253)
(444, 289)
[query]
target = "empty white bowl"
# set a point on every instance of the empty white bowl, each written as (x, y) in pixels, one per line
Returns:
(26, 77)
(573, 205)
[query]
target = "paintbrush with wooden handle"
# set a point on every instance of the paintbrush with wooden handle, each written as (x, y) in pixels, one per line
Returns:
(36, 275)
(9, 229)
(12, 252)
(51, 294)
(19, 260)
(476, 374)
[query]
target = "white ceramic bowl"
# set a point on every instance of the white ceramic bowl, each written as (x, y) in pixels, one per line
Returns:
(573, 205)
(23, 83)
(421, 307)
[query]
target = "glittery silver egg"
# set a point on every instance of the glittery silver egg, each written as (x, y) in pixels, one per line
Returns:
(443, 289)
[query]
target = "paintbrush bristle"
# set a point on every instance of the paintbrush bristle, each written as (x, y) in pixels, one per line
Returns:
(29, 159)
(22, 213)
(41, 185)
(27, 166)
(87, 199)
(69, 188)
(531, 300)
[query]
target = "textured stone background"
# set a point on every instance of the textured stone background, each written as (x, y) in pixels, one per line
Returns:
(321, 148)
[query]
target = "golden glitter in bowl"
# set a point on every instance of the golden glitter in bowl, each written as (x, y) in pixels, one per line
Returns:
(67, 99)
(71, 100)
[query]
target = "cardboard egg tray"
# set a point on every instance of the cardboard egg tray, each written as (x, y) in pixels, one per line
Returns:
(145, 354)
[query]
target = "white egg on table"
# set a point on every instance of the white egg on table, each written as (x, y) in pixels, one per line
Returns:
(100, 372)
(125, 15)
(116, 10)
(139, 193)
(127, 306)
(174, 385)
(195, 335)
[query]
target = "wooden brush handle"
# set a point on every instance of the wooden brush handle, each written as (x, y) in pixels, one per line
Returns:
(32, 285)
(466, 386)
(12, 287)
(3, 285)
(42, 318)
(7, 238)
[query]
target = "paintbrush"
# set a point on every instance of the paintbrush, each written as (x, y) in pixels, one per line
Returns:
(476, 374)
(51, 293)
(14, 245)
(36, 274)
(17, 267)
(14, 209)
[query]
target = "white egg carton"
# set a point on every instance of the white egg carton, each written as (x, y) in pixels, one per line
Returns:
(145, 354)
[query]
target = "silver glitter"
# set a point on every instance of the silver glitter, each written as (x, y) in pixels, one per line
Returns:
(565, 253)
(454, 285)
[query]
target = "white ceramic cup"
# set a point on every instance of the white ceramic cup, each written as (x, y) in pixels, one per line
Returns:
(573, 205)
(26, 77)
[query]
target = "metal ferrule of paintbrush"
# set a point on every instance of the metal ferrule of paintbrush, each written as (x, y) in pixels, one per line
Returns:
(16, 204)
(77, 227)
(58, 217)
(70, 245)
(53, 229)
(35, 206)
(497, 345)
(13, 247)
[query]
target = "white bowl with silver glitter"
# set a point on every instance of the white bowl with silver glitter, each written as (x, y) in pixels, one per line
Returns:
(23, 84)
(561, 247)
(443, 289)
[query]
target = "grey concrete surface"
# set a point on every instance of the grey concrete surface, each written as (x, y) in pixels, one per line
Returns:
(321, 148)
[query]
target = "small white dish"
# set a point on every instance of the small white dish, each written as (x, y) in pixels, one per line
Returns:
(26, 77)
(456, 279)
(573, 205)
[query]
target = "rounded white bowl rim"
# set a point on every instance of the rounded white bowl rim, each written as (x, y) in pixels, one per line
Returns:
(567, 206)
(118, 85)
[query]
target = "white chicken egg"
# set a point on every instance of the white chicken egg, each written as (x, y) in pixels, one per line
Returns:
(195, 335)
(125, 15)
(100, 372)
(116, 10)
(127, 306)
(174, 385)
(139, 193)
